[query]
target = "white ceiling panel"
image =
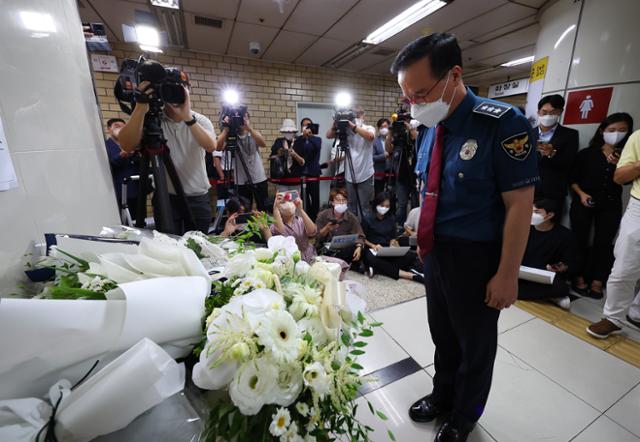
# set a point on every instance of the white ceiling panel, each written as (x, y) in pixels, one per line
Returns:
(117, 13)
(316, 16)
(503, 30)
(288, 45)
(442, 20)
(519, 39)
(205, 38)
(504, 57)
(366, 17)
(491, 21)
(265, 12)
(243, 33)
(212, 8)
(533, 3)
(322, 51)
(364, 62)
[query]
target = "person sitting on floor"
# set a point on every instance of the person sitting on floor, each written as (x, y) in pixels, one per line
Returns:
(235, 207)
(287, 223)
(380, 231)
(550, 247)
(339, 220)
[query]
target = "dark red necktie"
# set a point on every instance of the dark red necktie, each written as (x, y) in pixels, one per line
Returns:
(427, 223)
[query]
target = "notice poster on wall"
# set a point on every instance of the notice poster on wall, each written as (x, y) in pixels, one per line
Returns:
(8, 179)
(536, 83)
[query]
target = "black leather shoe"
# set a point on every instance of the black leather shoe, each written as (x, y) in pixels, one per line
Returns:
(453, 432)
(426, 410)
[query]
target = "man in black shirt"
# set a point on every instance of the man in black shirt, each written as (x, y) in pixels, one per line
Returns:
(550, 247)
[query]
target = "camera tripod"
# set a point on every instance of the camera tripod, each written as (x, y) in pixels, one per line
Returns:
(231, 153)
(157, 159)
(344, 154)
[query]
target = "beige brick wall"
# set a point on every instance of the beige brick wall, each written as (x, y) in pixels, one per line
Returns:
(271, 90)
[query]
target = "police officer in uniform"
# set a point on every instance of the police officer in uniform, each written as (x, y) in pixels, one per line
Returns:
(473, 228)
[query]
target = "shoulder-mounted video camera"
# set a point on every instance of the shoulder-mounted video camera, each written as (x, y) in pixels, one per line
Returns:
(167, 83)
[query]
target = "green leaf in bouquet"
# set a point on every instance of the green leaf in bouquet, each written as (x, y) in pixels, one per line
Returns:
(366, 333)
(356, 352)
(381, 415)
(375, 324)
(75, 293)
(391, 435)
(357, 366)
(361, 317)
(307, 337)
(197, 248)
(82, 263)
(346, 339)
(360, 344)
(371, 407)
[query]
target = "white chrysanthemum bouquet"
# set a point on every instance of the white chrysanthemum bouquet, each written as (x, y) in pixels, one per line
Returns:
(282, 337)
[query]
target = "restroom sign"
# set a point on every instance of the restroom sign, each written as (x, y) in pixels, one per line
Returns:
(587, 106)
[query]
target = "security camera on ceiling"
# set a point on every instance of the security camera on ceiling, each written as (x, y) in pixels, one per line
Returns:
(254, 47)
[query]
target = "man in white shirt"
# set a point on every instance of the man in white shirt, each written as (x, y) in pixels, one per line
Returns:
(189, 135)
(360, 139)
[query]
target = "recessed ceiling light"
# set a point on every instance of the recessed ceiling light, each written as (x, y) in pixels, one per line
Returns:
(403, 20)
(518, 61)
(172, 4)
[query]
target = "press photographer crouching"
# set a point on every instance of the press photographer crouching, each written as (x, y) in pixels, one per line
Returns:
(188, 135)
(250, 177)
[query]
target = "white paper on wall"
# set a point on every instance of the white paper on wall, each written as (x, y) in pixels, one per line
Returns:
(8, 179)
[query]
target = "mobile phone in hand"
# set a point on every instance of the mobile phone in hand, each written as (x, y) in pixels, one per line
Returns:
(291, 195)
(243, 218)
(315, 128)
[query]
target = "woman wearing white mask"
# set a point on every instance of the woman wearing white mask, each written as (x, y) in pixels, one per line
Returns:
(340, 220)
(380, 231)
(557, 147)
(597, 202)
(380, 155)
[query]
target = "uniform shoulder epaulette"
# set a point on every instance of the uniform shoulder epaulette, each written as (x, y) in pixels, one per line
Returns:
(495, 110)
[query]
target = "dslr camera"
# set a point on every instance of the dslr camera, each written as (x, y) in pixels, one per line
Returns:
(167, 83)
(234, 115)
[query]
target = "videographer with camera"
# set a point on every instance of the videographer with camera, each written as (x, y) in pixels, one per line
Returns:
(400, 146)
(250, 176)
(189, 135)
(360, 141)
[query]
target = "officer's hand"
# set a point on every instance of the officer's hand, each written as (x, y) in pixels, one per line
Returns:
(501, 292)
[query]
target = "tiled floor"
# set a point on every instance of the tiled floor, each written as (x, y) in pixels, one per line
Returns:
(548, 385)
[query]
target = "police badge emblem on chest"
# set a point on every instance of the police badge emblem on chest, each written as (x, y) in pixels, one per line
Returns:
(469, 149)
(517, 147)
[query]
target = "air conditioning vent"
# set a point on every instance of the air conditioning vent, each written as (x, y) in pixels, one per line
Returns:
(384, 52)
(208, 21)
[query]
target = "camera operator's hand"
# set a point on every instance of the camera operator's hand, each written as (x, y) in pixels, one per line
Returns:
(247, 123)
(182, 112)
(306, 132)
(142, 95)
(353, 125)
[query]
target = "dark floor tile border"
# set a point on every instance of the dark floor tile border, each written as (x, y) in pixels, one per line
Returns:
(389, 374)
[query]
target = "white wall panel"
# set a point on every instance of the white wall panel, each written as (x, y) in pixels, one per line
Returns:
(53, 131)
(608, 45)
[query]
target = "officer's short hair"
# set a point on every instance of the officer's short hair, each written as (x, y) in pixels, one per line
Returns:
(556, 101)
(381, 121)
(110, 121)
(548, 205)
(441, 48)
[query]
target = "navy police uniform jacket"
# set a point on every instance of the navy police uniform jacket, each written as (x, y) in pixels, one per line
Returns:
(488, 150)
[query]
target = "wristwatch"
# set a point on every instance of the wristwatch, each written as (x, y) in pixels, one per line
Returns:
(192, 121)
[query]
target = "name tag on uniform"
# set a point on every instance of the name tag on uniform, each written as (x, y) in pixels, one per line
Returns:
(469, 149)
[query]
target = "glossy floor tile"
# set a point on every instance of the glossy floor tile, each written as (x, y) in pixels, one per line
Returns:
(394, 401)
(381, 351)
(407, 324)
(512, 317)
(604, 429)
(525, 405)
(627, 411)
(585, 370)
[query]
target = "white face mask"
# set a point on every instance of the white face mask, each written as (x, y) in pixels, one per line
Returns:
(536, 219)
(288, 136)
(287, 208)
(384, 131)
(382, 210)
(340, 208)
(613, 138)
(548, 120)
(431, 114)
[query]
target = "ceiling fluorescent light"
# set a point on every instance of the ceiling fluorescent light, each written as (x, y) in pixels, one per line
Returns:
(518, 61)
(403, 20)
(564, 34)
(172, 4)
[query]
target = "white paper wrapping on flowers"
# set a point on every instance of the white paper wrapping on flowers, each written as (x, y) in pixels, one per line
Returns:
(42, 341)
(136, 381)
